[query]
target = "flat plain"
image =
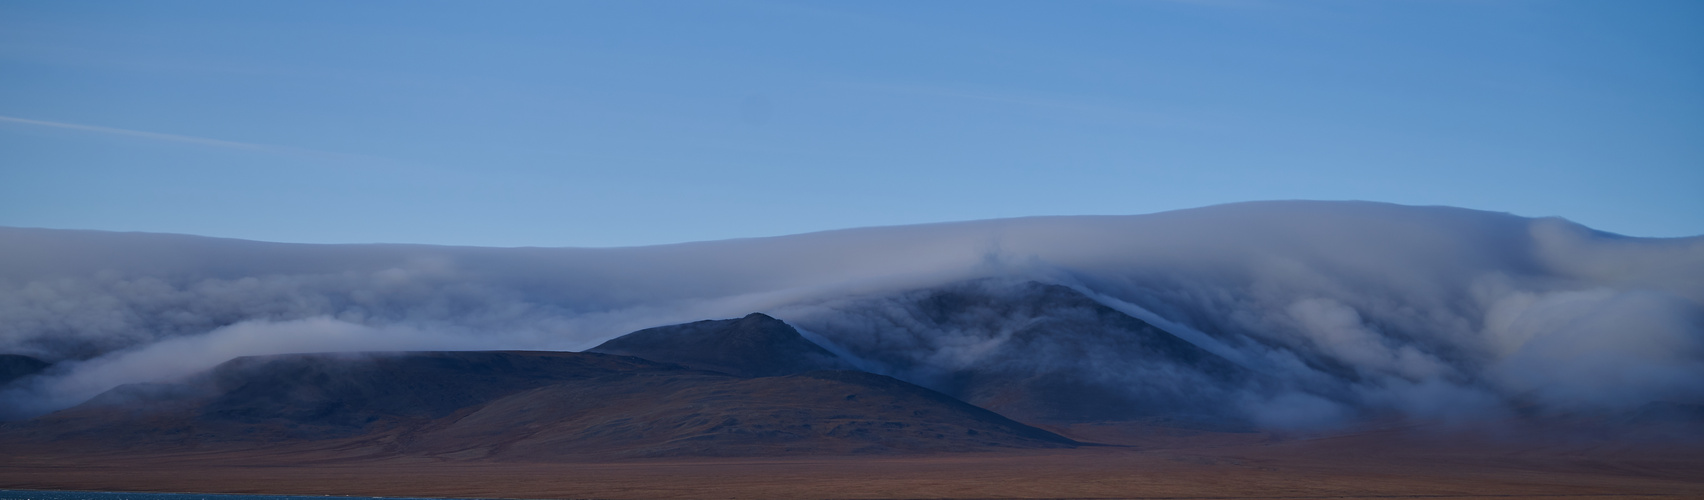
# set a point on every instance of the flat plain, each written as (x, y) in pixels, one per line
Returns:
(1136, 461)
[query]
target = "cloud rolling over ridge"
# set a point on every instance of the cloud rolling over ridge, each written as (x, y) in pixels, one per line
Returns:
(1339, 308)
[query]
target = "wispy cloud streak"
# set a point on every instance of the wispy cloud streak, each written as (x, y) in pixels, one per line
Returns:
(184, 139)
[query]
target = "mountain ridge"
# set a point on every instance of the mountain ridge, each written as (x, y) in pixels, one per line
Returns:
(522, 405)
(756, 345)
(1345, 308)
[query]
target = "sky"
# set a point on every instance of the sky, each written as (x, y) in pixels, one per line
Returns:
(636, 123)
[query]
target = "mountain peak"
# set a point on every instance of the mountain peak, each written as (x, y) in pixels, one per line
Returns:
(756, 345)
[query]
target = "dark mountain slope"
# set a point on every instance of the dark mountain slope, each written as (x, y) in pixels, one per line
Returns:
(1035, 352)
(323, 396)
(661, 414)
(16, 366)
(521, 405)
(754, 346)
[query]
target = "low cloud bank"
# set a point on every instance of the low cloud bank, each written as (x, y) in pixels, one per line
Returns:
(1346, 309)
(175, 358)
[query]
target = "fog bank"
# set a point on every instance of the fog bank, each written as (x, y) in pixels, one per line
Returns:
(1346, 309)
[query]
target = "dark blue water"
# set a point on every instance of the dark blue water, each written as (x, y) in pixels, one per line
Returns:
(124, 495)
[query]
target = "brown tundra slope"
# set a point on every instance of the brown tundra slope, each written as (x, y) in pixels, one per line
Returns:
(521, 405)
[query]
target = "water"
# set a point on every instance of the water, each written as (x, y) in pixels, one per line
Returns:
(126, 495)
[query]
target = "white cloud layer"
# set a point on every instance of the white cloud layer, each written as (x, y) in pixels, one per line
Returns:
(1429, 311)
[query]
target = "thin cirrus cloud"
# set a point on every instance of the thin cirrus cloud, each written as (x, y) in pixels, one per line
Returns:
(186, 139)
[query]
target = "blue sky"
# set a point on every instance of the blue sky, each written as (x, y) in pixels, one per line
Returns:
(627, 123)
